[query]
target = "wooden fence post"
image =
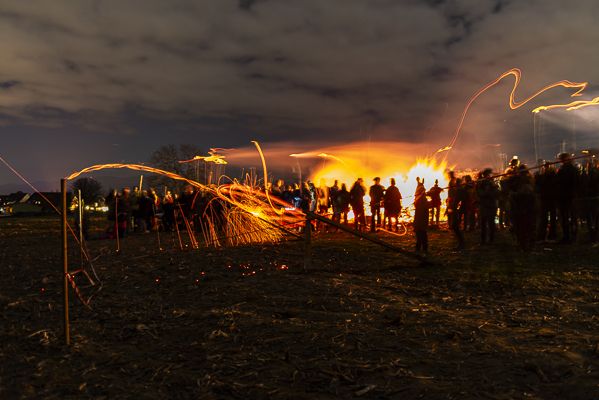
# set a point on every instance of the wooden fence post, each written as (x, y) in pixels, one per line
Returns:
(65, 263)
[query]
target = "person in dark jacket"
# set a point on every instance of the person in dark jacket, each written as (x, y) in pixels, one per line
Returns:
(287, 195)
(457, 205)
(123, 207)
(523, 209)
(567, 183)
(376, 193)
(421, 206)
(592, 193)
(546, 191)
(356, 194)
(341, 203)
(168, 210)
(435, 195)
(487, 192)
(145, 212)
(392, 203)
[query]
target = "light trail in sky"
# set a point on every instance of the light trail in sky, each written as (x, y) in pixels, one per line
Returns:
(514, 104)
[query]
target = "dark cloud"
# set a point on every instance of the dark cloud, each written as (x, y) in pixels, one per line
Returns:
(285, 69)
(9, 84)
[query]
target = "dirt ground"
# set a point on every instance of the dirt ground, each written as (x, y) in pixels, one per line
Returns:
(250, 322)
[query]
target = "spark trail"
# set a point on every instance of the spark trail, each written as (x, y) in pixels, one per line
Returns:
(517, 74)
(249, 214)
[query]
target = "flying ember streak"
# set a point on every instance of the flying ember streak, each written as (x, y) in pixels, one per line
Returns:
(517, 74)
(575, 105)
(250, 213)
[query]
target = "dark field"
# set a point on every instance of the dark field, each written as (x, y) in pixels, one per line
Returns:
(249, 322)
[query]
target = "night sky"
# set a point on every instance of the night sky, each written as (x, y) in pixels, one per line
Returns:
(110, 81)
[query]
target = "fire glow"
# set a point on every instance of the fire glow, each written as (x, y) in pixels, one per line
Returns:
(385, 160)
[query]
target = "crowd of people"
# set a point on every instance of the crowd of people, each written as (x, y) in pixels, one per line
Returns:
(532, 203)
(144, 211)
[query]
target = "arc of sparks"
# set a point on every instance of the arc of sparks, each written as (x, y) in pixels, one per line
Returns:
(250, 201)
(326, 155)
(277, 211)
(517, 104)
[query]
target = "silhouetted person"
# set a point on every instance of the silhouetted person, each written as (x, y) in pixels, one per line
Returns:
(357, 193)
(186, 203)
(507, 186)
(471, 204)
(522, 209)
(123, 205)
(278, 188)
(341, 204)
(488, 196)
(456, 209)
(546, 191)
(287, 195)
(145, 212)
(111, 203)
(376, 193)
(451, 192)
(435, 204)
(592, 200)
(421, 206)
(297, 196)
(168, 210)
(323, 197)
(392, 203)
(567, 183)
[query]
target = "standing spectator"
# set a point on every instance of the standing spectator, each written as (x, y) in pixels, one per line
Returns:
(488, 196)
(168, 209)
(123, 206)
(376, 192)
(287, 195)
(421, 206)
(522, 209)
(323, 197)
(470, 209)
(435, 194)
(567, 183)
(392, 204)
(451, 192)
(342, 200)
(357, 193)
(546, 191)
(456, 210)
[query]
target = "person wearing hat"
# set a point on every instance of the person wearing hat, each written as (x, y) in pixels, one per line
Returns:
(376, 193)
(488, 196)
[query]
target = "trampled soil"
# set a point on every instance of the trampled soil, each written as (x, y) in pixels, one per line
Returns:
(250, 322)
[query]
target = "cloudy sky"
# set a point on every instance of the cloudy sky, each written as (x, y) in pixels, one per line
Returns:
(109, 81)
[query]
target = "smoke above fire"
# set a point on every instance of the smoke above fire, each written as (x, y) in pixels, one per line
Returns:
(346, 162)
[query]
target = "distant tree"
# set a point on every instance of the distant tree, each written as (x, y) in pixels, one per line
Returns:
(91, 189)
(167, 158)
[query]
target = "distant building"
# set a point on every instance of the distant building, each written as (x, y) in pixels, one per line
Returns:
(31, 204)
(8, 200)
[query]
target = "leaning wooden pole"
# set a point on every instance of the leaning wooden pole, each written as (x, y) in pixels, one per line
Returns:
(308, 243)
(65, 263)
(367, 237)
